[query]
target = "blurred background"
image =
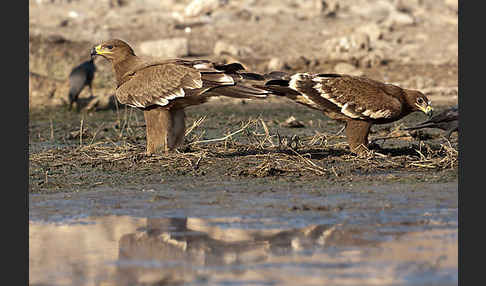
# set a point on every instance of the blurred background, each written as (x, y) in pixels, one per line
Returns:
(412, 43)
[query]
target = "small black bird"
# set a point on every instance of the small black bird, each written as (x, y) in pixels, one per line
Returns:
(447, 120)
(79, 77)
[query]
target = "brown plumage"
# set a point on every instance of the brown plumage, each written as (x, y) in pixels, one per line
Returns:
(358, 101)
(163, 88)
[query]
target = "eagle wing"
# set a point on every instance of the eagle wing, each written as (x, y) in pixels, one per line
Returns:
(159, 84)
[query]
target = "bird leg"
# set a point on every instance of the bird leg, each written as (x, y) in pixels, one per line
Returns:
(91, 90)
(165, 129)
(179, 126)
(357, 134)
(158, 124)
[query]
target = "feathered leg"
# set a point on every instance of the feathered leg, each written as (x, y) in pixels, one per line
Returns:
(158, 129)
(179, 127)
(165, 129)
(357, 134)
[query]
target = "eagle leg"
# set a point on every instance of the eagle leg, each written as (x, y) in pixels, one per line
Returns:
(179, 126)
(357, 134)
(165, 129)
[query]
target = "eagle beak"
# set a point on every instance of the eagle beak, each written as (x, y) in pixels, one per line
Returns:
(426, 109)
(98, 50)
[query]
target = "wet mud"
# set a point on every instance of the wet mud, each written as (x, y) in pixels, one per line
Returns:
(222, 234)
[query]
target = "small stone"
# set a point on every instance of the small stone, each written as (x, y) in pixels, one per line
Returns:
(399, 19)
(372, 59)
(64, 23)
(355, 42)
(73, 14)
(373, 31)
(327, 8)
(275, 64)
(200, 7)
(166, 48)
(292, 122)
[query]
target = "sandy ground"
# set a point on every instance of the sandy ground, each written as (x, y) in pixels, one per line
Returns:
(410, 43)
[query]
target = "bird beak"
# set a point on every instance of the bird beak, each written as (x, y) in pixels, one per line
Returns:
(426, 109)
(98, 50)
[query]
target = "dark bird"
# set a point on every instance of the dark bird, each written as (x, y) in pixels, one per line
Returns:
(163, 88)
(447, 120)
(81, 76)
(357, 101)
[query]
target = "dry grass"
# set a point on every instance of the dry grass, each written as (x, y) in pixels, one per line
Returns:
(252, 150)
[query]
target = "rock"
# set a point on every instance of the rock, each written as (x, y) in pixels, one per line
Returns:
(345, 68)
(166, 48)
(327, 8)
(275, 64)
(63, 23)
(73, 14)
(359, 41)
(379, 10)
(373, 31)
(397, 18)
(117, 3)
(452, 4)
(221, 48)
(408, 6)
(354, 42)
(102, 102)
(292, 122)
(200, 7)
(370, 59)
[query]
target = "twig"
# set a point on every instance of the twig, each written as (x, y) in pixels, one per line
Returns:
(81, 132)
(319, 169)
(222, 138)
(52, 128)
(195, 124)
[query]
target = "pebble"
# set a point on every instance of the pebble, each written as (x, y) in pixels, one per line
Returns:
(345, 68)
(166, 48)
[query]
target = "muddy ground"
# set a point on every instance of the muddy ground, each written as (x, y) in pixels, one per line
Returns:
(110, 151)
(282, 186)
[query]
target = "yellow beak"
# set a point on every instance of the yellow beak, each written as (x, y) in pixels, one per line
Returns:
(98, 50)
(427, 109)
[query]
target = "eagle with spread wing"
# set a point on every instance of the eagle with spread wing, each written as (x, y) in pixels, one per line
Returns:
(163, 88)
(358, 101)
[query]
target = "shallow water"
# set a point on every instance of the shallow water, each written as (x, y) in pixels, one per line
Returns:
(233, 234)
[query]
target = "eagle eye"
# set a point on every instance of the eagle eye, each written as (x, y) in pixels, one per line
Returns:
(420, 100)
(109, 47)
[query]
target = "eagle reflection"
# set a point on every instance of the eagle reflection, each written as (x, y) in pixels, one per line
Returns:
(173, 250)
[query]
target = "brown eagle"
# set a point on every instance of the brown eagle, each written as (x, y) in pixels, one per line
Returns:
(358, 101)
(163, 88)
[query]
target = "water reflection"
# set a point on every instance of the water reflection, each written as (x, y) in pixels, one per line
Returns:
(228, 251)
